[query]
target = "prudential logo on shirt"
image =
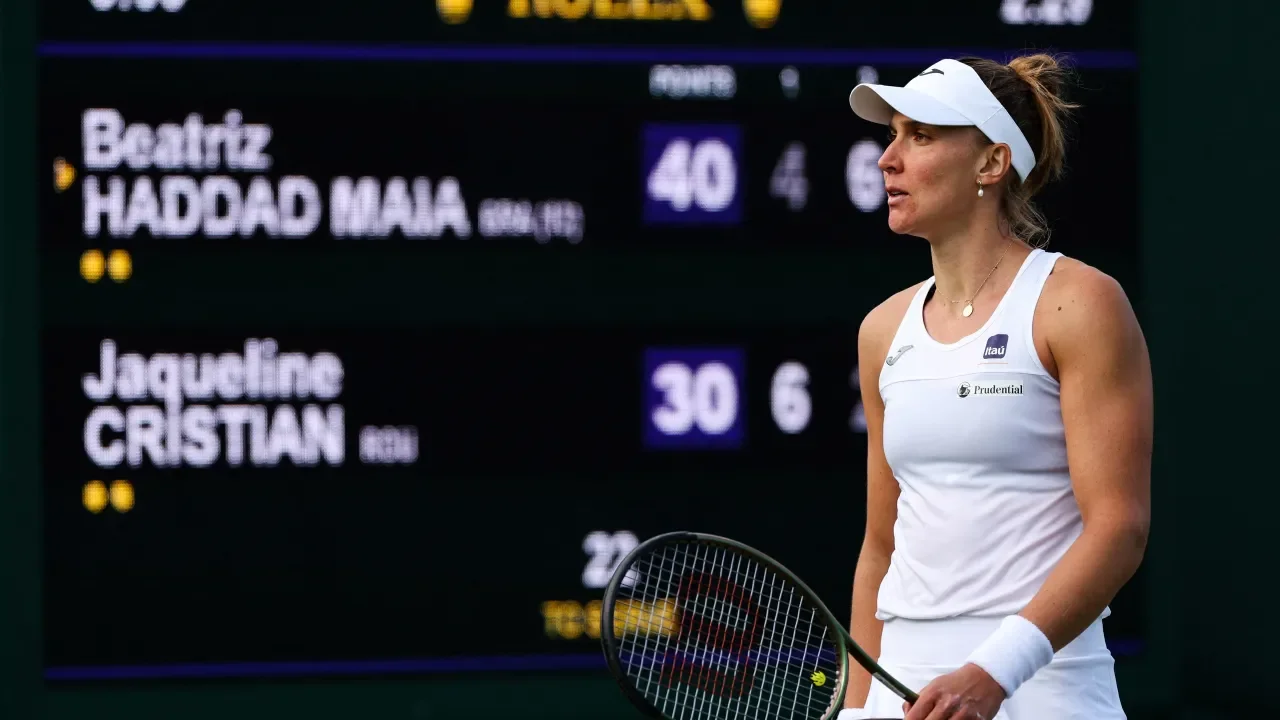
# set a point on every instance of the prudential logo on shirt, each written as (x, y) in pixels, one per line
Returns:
(987, 389)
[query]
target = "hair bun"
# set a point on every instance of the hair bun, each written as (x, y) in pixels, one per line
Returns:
(1030, 90)
(1046, 78)
(1042, 72)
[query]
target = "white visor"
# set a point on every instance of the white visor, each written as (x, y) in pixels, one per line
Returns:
(948, 92)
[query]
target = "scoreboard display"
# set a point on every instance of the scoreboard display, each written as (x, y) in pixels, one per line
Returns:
(373, 335)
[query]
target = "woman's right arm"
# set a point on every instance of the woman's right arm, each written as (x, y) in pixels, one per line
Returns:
(874, 336)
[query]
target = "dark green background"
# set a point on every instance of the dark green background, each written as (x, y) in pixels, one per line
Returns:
(1213, 622)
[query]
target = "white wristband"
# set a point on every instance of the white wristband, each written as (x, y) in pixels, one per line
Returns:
(1014, 652)
(853, 714)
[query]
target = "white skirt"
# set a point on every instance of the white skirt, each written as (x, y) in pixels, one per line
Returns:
(1080, 683)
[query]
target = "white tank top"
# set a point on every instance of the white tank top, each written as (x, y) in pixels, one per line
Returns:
(973, 433)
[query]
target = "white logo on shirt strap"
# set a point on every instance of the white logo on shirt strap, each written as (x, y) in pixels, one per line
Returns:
(901, 350)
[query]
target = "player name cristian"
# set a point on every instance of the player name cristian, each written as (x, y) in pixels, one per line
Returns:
(168, 432)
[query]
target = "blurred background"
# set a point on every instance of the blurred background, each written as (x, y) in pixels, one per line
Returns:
(345, 347)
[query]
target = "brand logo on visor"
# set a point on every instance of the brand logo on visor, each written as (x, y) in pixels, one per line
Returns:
(930, 72)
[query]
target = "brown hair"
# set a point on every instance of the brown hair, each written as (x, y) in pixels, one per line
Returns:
(1030, 89)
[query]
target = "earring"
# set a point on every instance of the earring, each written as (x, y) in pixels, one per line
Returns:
(979, 188)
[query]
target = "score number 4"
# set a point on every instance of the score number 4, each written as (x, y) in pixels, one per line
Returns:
(604, 552)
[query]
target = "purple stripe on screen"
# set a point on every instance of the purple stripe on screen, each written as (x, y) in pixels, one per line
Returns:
(1100, 59)
(498, 663)
(1121, 647)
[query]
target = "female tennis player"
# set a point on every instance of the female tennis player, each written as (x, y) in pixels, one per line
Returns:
(1010, 440)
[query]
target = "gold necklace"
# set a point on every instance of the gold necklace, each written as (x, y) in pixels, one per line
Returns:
(968, 306)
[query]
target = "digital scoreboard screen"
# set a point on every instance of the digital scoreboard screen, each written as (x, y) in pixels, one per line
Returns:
(374, 335)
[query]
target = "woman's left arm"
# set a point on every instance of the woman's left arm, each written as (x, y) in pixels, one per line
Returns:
(1105, 375)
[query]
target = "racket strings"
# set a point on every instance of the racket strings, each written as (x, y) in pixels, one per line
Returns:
(706, 632)
(779, 652)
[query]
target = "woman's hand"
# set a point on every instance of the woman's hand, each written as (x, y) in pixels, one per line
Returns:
(966, 694)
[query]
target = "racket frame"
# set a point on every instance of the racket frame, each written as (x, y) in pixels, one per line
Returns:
(845, 642)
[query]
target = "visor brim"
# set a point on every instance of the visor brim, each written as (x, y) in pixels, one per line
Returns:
(877, 103)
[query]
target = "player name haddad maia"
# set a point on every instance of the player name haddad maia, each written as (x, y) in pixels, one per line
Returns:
(255, 406)
(218, 180)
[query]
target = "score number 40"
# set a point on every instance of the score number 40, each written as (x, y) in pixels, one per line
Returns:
(692, 174)
(702, 174)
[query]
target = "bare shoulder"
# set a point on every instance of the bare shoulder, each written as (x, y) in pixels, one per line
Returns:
(1076, 291)
(881, 324)
(1082, 307)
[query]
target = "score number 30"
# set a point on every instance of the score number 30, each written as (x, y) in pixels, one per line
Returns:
(693, 397)
(705, 396)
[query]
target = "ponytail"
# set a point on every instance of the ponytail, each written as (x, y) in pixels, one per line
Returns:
(1030, 88)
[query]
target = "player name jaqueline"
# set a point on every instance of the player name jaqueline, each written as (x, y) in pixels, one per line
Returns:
(170, 433)
(259, 371)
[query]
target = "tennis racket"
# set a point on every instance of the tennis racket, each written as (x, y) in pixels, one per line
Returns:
(698, 627)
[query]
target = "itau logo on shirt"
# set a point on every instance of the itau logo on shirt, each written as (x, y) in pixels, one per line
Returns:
(997, 347)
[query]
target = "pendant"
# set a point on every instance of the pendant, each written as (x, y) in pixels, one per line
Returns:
(968, 310)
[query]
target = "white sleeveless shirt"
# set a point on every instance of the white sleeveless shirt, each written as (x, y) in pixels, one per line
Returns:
(973, 433)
